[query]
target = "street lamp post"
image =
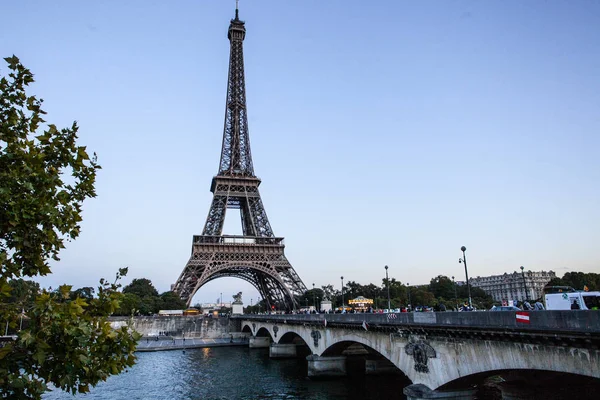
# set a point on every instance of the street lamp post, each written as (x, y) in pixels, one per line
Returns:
(314, 297)
(455, 297)
(524, 283)
(221, 300)
(387, 281)
(464, 261)
(343, 308)
(408, 287)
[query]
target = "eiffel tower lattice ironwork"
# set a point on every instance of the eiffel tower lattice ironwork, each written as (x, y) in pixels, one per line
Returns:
(257, 256)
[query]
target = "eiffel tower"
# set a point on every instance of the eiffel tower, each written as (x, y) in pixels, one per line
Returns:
(257, 256)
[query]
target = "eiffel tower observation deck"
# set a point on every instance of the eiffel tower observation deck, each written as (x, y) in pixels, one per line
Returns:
(257, 256)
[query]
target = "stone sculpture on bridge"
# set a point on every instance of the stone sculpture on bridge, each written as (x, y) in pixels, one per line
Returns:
(420, 350)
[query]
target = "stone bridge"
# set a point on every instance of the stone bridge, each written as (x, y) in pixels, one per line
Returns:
(442, 354)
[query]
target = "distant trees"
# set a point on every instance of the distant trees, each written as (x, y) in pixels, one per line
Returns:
(84, 293)
(142, 287)
(171, 301)
(440, 290)
(23, 292)
(578, 280)
(442, 286)
(142, 298)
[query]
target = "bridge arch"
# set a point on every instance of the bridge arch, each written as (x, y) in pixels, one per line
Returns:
(543, 377)
(292, 338)
(264, 332)
(247, 329)
(362, 358)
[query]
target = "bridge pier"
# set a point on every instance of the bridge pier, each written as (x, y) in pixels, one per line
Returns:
(282, 350)
(422, 392)
(258, 342)
(319, 366)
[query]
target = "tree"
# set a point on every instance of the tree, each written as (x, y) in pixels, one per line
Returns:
(397, 288)
(578, 280)
(442, 286)
(141, 298)
(69, 343)
(556, 282)
(142, 287)
(328, 291)
(129, 304)
(149, 305)
(23, 292)
(86, 292)
(171, 301)
(420, 296)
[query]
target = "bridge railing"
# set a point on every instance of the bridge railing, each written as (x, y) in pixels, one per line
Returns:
(582, 321)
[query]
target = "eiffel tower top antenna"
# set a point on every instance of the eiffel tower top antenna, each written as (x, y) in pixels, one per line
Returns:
(237, 2)
(236, 157)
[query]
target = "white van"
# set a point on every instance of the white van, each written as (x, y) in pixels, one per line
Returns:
(564, 298)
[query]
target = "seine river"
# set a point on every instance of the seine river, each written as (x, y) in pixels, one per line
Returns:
(231, 373)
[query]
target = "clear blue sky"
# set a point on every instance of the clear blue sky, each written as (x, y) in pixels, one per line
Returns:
(386, 132)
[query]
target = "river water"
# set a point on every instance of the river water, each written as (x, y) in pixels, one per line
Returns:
(231, 373)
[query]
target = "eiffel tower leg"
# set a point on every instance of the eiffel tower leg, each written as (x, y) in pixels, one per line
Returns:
(187, 283)
(292, 282)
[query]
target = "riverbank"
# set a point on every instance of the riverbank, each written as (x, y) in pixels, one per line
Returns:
(166, 344)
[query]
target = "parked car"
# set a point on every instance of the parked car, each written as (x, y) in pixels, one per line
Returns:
(505, 308)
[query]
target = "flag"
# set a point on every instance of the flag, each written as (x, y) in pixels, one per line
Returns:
(365, 325)
(325, 322)
(522, 317)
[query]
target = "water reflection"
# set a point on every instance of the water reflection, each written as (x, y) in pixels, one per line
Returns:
(231, 373)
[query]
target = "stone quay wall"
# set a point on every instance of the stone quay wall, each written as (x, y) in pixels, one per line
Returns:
(181, 326)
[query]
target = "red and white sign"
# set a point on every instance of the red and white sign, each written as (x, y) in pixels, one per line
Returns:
(522, 317)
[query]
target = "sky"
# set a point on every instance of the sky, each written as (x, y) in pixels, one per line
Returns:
(385, 133)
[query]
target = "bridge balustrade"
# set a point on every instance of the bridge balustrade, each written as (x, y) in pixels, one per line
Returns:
(567, 321)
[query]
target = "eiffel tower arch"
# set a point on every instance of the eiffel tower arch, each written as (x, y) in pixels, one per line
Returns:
(257, 256)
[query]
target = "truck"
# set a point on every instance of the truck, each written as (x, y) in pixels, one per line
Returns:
(567, 298)
(169, 313)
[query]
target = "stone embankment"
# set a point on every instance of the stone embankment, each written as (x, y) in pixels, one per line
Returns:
(164, 343)
(183, 332)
